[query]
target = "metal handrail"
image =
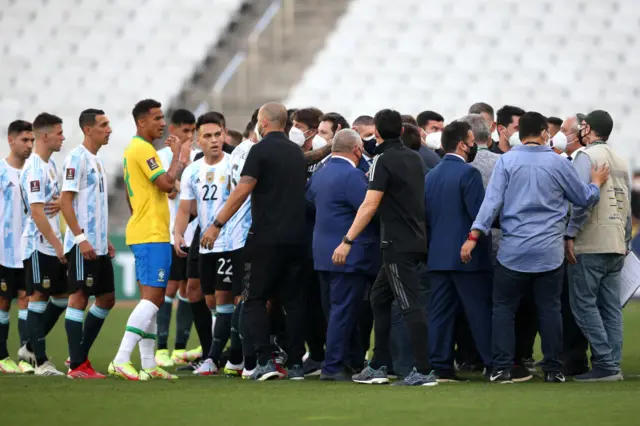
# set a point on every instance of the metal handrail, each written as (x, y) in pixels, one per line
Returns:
(225, 77)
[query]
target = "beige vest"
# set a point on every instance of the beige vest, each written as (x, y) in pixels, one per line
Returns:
(604, 231)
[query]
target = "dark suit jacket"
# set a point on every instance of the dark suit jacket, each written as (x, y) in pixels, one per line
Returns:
(336, 191)
(453, 196)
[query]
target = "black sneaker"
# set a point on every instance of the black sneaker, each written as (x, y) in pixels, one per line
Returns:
(520, 374)
(500, 376)
(554, 377)
(450, 378)
(530, 364)
(192, 366)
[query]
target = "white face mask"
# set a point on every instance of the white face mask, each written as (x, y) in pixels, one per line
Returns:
(297, 136)
(434, 140)
(514, 140)
(318, 142)
(257, 132)
(559, 142)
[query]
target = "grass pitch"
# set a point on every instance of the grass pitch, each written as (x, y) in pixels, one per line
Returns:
(53, 401)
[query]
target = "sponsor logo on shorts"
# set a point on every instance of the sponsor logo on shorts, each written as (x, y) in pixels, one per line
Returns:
(46, 282)
(161, 275)
(3, 285)
(89, 281)
(34, 186)
(71, 174)
(152, 163)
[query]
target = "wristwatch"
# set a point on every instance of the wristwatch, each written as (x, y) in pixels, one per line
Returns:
(218, 224)
(347, 241)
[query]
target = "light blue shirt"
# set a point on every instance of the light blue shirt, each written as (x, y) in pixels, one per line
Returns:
(13, 216)
(529, 188)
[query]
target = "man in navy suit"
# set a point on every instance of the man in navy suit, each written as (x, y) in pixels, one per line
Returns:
(337, 191)
(453, 196)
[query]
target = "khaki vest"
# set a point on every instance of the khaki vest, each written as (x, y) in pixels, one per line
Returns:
(604, 231)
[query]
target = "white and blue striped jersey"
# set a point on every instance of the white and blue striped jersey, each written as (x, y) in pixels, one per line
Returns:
(39, 184)
(166, 155)
(209, 186)
(235, 231)
(13, 216)
(84, 174)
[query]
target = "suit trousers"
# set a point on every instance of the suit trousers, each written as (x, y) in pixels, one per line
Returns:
(316, 324)
(451, 290)
(347, 291)
(509, 287)
(276, 273)
(397, 280)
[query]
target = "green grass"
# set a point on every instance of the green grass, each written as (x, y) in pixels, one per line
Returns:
(226, 401)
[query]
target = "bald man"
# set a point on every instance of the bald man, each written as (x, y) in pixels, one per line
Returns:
(274, 174)
(337, 191)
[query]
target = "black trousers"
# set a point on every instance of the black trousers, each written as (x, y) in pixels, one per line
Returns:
(526, 326)
(574, 344)
(276, 273)
(315, 321)
(398, 280)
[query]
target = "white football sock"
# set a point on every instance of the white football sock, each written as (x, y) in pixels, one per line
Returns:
(136, 325)
(147, 344)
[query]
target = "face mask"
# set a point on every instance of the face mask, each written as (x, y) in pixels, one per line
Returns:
(433, 140)
(369, 138)
(559, 141)
(370, 145)
(318, 142)
(581, 137)
(297, 136)
(471, 154)
(257, 132)
(514, 140)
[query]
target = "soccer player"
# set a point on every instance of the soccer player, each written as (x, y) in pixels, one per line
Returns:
(86, 244)
(206, 182)
(182, 125)
(147, 234)
(42, 250)
(12, 281)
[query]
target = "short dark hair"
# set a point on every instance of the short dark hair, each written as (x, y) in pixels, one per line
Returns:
(88, 117)
(308, 116)
(506, 113)
(388, 123)
(555, 121)
(19, 126)
(44, 120)
(532, 124)
(408, 119)
(426, 116)
(235, 135)
(335, 119)
(143, 107)
(248, 129)
(182, 116)
(363, 120)
(454, 133)
(480, 107)
(211, 117)
(254, 119)
(411, 136)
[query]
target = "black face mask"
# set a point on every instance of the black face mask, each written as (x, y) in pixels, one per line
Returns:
(370, 147)
(473, 151)
(581, 138)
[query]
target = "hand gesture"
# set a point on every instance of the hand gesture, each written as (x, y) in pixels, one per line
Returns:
(175, 143)
(599, 175)
(178, 244)
(208, 239)
(340, 254)
(465, 251)
(185, 152)
(53, 207)
(87, 250)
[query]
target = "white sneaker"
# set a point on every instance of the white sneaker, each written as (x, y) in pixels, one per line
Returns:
(206, 368)
(246, 374)
(47, 369)
(233, 369)
(26, 355)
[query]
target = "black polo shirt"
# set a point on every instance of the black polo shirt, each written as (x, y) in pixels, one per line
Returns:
(399, 172)
(278, 204)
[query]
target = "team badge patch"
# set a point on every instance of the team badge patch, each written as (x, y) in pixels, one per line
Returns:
(222, 178)
(89, 281)
(210, 177)
(46, 283)
(152, 163)
(34, 186)
(99, 168)
(161, 275)
(3, 285)
(71, 174)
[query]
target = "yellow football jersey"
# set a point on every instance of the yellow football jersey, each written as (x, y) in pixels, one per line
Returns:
(149, 222)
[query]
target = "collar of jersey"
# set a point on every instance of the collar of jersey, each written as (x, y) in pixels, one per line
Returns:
(142, 139)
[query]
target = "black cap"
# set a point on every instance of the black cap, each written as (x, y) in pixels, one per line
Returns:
(601, 122)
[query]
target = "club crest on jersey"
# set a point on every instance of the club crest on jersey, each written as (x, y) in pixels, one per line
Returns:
(34, 186)
(222, 178)
(152, 163)
(161, 275)
(89, 281)
(210, 177)
(46, 283)
(3, 285)
(99, 168)
(71, 174)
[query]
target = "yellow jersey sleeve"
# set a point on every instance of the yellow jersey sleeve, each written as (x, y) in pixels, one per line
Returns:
(146, 157)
